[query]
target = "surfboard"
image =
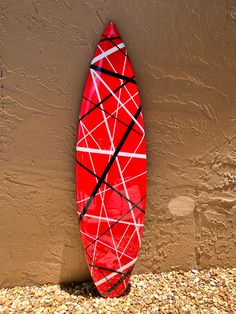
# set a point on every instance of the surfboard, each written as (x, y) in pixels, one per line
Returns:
(111, 166)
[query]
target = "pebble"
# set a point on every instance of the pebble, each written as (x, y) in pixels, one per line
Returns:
(193, 292)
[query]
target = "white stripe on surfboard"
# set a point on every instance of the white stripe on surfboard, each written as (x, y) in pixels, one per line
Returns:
(114, 220)
(108, 117)
(105, 244)
(114, 186)
(114, 274)
(114, 95)
(108, 152)
(93, 73)
(107, 53)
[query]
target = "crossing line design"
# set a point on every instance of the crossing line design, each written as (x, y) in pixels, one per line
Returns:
(111, 166)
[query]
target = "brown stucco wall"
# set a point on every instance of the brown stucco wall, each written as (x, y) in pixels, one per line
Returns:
(184, 55)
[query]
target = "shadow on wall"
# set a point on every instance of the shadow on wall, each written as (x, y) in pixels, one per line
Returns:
(73, 264)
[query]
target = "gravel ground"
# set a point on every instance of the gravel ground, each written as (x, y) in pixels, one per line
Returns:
(211, 291)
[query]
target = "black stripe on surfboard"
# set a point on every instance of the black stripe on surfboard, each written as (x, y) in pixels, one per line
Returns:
(110, 163)
(111, 73)
(103, 100)
(116, 222)
(101, 272)
(109, 114)
(109, 38)
(118, 282)
(110, 186)
(107, 269)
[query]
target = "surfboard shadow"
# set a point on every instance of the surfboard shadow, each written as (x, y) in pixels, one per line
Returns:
(86, 289)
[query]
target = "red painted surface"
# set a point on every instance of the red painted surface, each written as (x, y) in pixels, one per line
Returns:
(111, 166)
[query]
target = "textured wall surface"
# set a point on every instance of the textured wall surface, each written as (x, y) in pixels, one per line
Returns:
(184, 55)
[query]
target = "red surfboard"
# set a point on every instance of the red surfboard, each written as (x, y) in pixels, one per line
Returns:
(111, 167)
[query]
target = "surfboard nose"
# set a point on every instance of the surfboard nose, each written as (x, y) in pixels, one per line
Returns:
(111, 30)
